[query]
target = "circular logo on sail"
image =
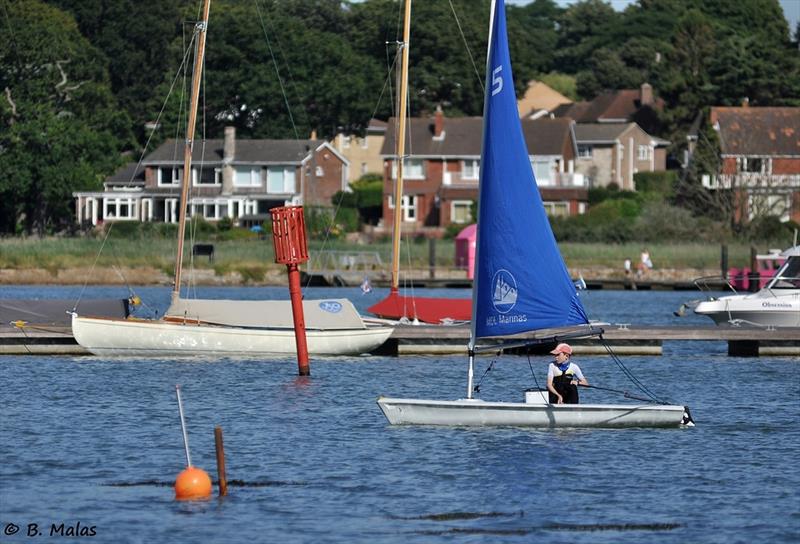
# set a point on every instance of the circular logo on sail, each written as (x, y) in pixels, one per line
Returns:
(504, 296)
(331, 306)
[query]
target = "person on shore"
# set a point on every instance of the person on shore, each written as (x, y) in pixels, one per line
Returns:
(564, 376)
(644, 262)
(626, 264)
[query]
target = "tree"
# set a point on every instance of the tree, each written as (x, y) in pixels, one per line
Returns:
(62, 128)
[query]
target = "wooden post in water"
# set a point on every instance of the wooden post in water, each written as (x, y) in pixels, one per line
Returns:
(723, 261)
(432, 257)
(754, 277)
(223, 480)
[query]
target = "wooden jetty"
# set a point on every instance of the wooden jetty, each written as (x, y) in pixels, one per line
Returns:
(625, 339)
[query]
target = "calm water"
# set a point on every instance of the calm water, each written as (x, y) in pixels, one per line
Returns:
(318, 463)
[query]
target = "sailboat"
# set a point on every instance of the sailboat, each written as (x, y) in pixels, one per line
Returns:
(193, 327)
(521, 282)
(396, 306)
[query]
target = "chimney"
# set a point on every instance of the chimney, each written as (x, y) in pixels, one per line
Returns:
(438, 123)
(313, 134)
(646, 95)
(745, 102)
(229, 145)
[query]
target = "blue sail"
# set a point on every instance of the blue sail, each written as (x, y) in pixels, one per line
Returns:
(521, 283)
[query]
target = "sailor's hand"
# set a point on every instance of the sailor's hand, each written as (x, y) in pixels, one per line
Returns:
(560, 399)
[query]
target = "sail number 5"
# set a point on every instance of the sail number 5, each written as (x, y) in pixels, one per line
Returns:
(497, 80)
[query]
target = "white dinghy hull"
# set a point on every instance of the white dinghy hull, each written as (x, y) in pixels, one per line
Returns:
(132, 337)
(519, 414)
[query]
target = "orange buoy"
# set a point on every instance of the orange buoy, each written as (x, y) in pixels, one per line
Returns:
(191, 484)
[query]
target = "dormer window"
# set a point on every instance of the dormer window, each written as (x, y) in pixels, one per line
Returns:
(170, 176)
(752, 164)
(471, 169)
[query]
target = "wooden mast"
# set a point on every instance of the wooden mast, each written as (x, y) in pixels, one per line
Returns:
(197, 72)
(400, 145)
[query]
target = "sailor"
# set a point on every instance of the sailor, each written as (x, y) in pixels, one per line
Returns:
(563, 377)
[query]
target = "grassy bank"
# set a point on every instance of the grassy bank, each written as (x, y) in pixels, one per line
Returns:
(236, 255)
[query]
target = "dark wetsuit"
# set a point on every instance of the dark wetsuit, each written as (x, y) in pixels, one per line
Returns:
(563, 384)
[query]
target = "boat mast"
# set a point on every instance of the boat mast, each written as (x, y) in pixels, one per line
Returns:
(472, 330)
(400, 145)
(197, 72)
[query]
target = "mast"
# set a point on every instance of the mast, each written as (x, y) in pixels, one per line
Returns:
(197, 72)
(400, 145)
(472, 330)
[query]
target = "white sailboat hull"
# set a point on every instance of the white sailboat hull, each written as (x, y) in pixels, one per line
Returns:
(481, 413)
(134, 337)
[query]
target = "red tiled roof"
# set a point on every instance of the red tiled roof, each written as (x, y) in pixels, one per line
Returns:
(757, 131)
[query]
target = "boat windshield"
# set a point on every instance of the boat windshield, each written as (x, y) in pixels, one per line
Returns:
(788, 277)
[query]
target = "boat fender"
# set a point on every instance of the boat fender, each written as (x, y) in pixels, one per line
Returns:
(687, 420)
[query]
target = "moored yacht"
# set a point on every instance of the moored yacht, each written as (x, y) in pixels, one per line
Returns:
(777, 304)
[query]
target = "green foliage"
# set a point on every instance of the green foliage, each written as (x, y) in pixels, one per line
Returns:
(563, 83)
(600, 194)
(225, 224)
(770, 229)
(348, 219)
(63, 129)
(656, 182)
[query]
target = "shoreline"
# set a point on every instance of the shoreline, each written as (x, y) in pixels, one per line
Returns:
(276, 276)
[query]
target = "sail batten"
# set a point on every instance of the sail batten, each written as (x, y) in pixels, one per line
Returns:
(521, 282)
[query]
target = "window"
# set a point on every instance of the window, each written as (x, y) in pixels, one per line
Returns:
(208, 176)
(557, 209)
(119, 208)
(247, 177)
(412, 169)
(170, 176)
(346, 142)
(643, 153)
(409, 204)
(319, 172)
(752, 164)
(364, 144)
(461, 211)
(542, 171)
(280, 179)
(363, 168)
(584, 152)
(471, 169)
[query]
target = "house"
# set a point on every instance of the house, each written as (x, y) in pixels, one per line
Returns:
(362, 152)
(443, 164)
(760, 156)
(239, 179)
(621, 106)
(613, 152)
(540, 97)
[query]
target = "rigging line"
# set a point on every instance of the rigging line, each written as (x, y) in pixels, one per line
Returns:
(466, 46)
(138, 165)
(277, 72)
(533, 373)
(643, 388)
(291, 77)
(477, 388)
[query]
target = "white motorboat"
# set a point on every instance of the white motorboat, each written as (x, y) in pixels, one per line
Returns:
(777, 304)
(521, 282)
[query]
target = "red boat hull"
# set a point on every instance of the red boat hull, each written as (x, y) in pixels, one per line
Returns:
(425, 309)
